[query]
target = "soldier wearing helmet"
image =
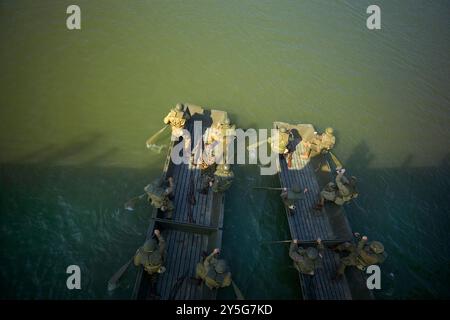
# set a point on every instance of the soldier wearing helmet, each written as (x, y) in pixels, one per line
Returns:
(223, 178)
(177, 118)
(340, 191)
(306, 260)
(151, 255)
(290, 196)
(280, 141)
(318, 144)
(362, 255)
(159, 197)
(213, 271)
(223, 133)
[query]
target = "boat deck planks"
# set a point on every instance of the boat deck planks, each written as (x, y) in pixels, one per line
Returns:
(307, 224)
(193, 229)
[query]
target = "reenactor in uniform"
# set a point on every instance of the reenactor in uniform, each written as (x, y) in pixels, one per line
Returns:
(223, 178)
(213, 271)
(160, 198)
(318, 144)
(306, 261)
(177, 118)
(280, 141)
(152, 255)
(361, 255)
(340, 191)
(290, 196)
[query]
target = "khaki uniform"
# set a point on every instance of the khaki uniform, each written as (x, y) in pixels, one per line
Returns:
(339, 192)
(177, 120)
(289, 197)
(319, 143)
(222, 179)
(360, 256)
(279, 142)
(151, 261)
(213, 280)
(158, 198)
(302, 262)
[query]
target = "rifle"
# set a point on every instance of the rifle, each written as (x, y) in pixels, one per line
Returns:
(289, 160)
(191, 199)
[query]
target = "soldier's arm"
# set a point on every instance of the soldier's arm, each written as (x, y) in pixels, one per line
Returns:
(166, 119)
(361, 243)
(293, 252)
(341, 186)
(162, 244)
(209, 258)
(136, 259)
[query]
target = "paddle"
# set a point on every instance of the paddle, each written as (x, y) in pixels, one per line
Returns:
(237, 291)
(112, 283)
(335, 160)
(131, 204)
(324, 242)
(256, 144)
(150, 141)
(268, 188)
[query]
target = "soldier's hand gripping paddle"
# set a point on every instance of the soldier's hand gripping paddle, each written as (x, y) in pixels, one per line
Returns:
(151, 141)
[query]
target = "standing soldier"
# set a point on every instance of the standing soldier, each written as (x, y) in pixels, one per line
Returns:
(223, 178)
(340, 192)
(177, 119)
(220, 137)
(319, 143)
(306, 261)
(361, 255)
(290, 196)
(159, 198)
(152, 255)
(213, 271)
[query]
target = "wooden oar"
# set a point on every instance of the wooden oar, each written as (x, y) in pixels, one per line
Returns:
(336, 161)
(300, 242)
(237, 291)
(131, 204)
(150, 141)
(112, 283)
(256, 144)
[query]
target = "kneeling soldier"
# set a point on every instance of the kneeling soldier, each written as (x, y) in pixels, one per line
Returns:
(214, 271)
(151, 255)
(223, 178)
(290, 196)
(361, 255)
(159, 198)
(306, 261)
(319, 143)
(340, 192)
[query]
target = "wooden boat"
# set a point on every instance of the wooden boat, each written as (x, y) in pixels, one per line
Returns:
(195, 228)
(307, 224)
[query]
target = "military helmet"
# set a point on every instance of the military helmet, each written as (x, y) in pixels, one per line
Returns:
(376, 246)
(283, 130)
(179, 107)
(221, 266)
(312, 253)
(296, 189)
(329, 130)
(226, 167)
(149, 245)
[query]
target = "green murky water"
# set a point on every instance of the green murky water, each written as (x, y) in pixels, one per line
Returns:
(77, 106)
